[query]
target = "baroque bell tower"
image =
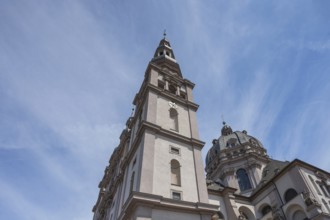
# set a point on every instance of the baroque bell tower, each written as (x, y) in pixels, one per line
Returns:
(156, 172)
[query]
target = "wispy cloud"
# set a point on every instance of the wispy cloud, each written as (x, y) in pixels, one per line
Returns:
(18, 206)
(69, 72)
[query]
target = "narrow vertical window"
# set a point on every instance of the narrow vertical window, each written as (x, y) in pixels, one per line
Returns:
(324, 190)
(140, 118)
(314, 184)
(132, 182)
(326, 205)
(174, 124)
(243, 180)
(175, 173)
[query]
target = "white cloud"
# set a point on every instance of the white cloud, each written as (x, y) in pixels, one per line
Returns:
(69, 71)
(20, 206)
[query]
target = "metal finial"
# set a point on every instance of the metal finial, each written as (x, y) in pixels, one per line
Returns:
(164, 34)
(223, 120)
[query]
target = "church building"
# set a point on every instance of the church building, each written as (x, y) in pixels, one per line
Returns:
(157, 172)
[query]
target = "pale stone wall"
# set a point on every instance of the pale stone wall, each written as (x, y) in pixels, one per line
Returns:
(147, 166)
(193, 122)
(170, 215)
(162, 170)
(218, 200)
(287, 181)
(128, 174)
(315, 188)
(162, 119)
(268, 197)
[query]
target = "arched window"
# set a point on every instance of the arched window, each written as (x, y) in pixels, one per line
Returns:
(175, 173)
(132, 182)
(243, 180)
(265, 210)
(174, 124)
(290, 194)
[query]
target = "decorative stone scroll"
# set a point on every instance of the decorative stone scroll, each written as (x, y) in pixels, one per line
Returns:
(172, 105)
(309, 200)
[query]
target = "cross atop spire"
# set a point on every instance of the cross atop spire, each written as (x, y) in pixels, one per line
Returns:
(223, 120)
(164, 34)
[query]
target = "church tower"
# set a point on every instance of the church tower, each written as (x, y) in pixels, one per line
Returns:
(156, 172)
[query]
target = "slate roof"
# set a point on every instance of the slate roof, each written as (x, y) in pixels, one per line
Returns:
(270, 170)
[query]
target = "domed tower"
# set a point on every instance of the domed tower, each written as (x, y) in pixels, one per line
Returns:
(236, 160)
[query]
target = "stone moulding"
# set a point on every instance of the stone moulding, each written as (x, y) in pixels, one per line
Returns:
(159, 202)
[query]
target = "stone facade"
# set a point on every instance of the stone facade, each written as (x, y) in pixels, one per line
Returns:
(157, 172)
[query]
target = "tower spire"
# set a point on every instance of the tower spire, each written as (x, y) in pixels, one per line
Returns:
(164, 55)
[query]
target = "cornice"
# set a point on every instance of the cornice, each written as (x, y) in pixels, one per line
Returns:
(171, 67)
(167, 94)
(147, 87)
(291, 165)
(145, 125)
(144, 199)
(251, 160)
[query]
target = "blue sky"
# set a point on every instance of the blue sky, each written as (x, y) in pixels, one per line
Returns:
(69, 71)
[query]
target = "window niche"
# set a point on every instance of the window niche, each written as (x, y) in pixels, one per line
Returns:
(175, 173)
(174, 123)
